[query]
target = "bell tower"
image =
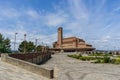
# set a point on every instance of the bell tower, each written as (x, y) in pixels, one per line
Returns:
(60, 36)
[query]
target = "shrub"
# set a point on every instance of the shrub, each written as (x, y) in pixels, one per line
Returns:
(113, 61)
(96, 54)
(98, 61)
(77, 56)
(106, 59)
(100, 54)
(117, 61)
(86, 58)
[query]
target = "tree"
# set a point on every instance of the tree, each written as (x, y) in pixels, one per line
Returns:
(30, 46)
(4, 44)
(38, 49)
(1, 38)
(7, 45)
(41, 48)
(26, 46)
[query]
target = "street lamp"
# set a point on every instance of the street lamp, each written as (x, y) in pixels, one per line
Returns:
(36, 40)
(42, 44)
(15, 41)
(24, 43)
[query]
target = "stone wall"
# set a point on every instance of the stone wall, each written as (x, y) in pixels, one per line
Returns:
(47, 72)
(36, 58)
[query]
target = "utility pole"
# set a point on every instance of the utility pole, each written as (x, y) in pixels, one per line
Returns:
(15, 42)
(42, 44)
(36, 40)
(24, 43)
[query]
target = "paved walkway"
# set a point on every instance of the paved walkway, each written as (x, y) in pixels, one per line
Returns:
(67, 68)
(10, 72)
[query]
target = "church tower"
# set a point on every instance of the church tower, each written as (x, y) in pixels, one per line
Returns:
(60, 36)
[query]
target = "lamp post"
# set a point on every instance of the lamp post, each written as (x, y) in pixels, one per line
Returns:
(24, 43)
(15, 41)
(42, 44)
(36, 40)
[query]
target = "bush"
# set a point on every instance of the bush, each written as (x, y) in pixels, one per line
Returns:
(100, 54)
(106, 59)
(98, 61)
(77, 56)
(115, 61)
(86, 58)
(96, 54)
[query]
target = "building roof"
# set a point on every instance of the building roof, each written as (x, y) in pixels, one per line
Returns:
(72, 38)
(68, 38)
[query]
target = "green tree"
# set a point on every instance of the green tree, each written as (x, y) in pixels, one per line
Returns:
(30, 46)
(26, 46)
(4, 44)
(1, 38)
(38, 48)
(7, 45)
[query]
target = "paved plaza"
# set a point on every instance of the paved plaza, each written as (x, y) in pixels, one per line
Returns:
(10, 72)
(66, 68)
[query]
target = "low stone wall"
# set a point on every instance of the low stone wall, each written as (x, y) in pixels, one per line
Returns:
(28, 66)
(36, 58)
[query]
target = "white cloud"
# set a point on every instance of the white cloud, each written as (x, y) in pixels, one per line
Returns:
(78, 9)
(90, 22)
(56, 19)
(32, 13)
(9, 13)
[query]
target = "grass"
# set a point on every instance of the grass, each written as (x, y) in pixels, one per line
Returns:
(105, 59)
(98, 58)
(115, 61)
(75, 56)
(84, 58)
(100, 54)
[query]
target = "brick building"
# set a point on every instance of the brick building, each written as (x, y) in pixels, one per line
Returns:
(70, 43)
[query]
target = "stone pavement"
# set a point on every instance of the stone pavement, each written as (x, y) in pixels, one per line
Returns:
(10, 72)
(67, 68)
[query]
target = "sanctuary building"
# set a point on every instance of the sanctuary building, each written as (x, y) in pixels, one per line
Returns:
(70, 44)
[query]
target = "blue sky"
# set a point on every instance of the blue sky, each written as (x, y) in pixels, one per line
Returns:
(95, 21)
